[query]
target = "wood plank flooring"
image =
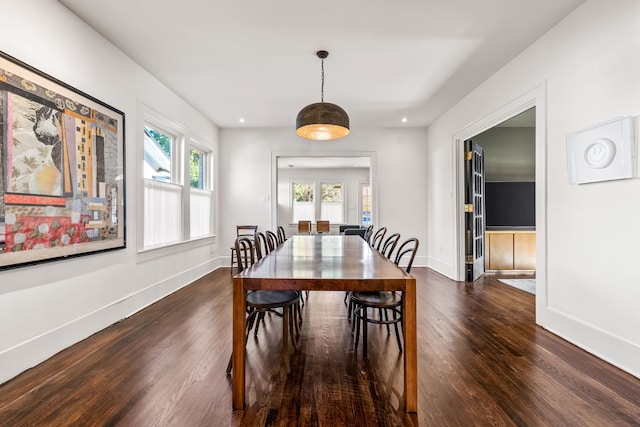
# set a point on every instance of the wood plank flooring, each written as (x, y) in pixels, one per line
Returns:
(481, 361)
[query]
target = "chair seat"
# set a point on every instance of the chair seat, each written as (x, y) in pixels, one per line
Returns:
(384, 299)
(272, 299)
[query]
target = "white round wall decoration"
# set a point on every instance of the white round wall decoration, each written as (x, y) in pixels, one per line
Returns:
(600, 154)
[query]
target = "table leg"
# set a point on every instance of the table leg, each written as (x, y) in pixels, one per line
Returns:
(410, 347)
(239, 318)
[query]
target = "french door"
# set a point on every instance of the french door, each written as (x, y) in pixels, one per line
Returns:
(474, 210)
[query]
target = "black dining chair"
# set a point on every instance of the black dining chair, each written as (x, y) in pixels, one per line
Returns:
(355, 231)
(342, 228)
(377, 238)
(272, 240)
(281, 235)
(368, 233)
(260, 302)
(261, 245)
(389, 245)
(384, 301)
(247, 231)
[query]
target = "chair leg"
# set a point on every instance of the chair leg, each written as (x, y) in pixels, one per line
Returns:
(250, 318)
(395, 325)
(294, 331)
(285, 337)
(230, 364)
(298, 311)
(351, 310)
(356, 324)
(260, 318)
(233, 259)
(365, 327)
(383, 315)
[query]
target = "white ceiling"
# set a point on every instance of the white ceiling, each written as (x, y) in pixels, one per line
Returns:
(388, 60)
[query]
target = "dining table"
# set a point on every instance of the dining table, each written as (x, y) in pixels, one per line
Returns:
(325, 263)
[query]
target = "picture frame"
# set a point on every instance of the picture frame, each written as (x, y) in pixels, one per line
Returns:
(62, 169)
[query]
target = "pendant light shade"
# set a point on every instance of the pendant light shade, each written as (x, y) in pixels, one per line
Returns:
(322, 121)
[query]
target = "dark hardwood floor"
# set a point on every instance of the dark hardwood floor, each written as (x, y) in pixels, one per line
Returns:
(481, 361)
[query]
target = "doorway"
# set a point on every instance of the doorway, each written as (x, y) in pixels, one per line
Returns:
(503, 219)
(534, 98)
(348, 169)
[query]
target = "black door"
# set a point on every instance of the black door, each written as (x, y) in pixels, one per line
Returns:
(474, 210)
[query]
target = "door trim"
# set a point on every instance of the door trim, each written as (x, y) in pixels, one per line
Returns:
(534, 98)
(272, 198)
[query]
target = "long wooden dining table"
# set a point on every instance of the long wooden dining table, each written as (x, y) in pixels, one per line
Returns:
(325, 263)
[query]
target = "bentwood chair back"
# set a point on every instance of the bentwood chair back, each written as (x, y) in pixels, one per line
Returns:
(262, 248)
(247, 231)
(281, 235)
(272, 240)
(304, 227)
(323, 227)
(407, 253)
(389, 245)
(377, 238)
(368, 233)
(245, 251)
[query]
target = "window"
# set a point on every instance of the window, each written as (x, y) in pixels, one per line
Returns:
(303, 205)
(158, 147)
(329, 206)
(197, 162)
(365, 204)
(178, 196)
(201, 196)
(332, 206)
(162, 197)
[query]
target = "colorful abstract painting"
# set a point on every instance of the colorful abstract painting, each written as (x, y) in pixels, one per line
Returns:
(61, 169)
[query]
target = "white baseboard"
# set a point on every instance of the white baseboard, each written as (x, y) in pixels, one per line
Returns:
(29, 353)
(441, 267)
(602, 344)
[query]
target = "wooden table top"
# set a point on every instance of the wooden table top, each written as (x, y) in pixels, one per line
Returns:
(334, 262)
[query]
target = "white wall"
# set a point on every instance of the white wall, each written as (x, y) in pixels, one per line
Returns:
(509, 153)
(399, 176)
(48, 307)
(590, 65)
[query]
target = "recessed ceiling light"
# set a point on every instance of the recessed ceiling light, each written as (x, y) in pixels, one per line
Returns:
(404, 120)
(241, 120)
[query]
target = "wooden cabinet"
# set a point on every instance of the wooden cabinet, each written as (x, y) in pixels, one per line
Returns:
(510, 250)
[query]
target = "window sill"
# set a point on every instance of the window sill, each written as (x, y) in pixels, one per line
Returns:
(149, 254)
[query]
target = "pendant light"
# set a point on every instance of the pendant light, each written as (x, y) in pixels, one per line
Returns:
(322, 121)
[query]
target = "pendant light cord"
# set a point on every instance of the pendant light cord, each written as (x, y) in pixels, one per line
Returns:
(322, 87)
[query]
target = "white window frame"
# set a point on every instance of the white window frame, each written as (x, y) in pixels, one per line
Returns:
(341, 182)
(312, 183)
(207, 189)
(317, 198)
(184, 141)
(361, 185)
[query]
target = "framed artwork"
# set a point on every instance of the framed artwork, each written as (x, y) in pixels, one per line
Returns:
(62, 182)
